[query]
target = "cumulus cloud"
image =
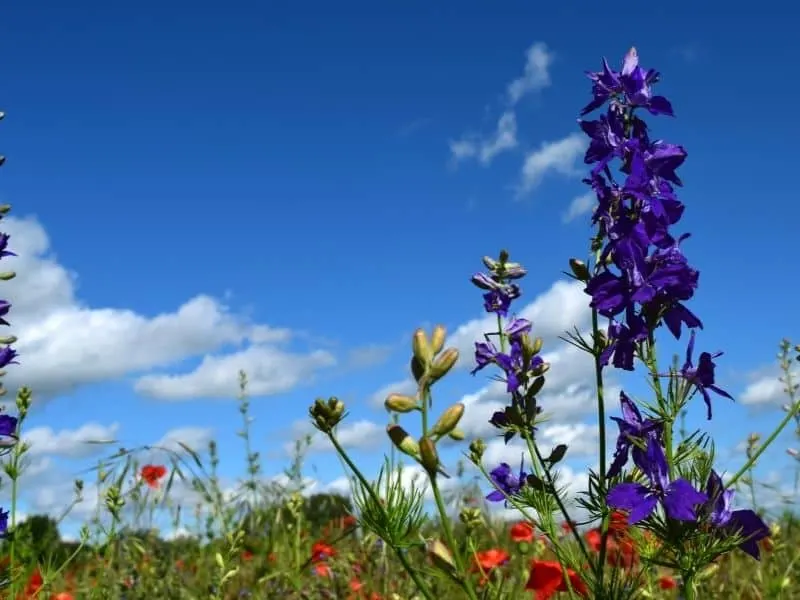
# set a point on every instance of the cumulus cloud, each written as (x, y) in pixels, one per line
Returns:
(403, 386)
(70, 443)
(65, 344)
(766, 390)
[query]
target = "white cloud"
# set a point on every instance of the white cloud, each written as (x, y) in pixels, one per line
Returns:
(269, 371)
(486, 149)
(356, 435)
(764, 391)
(65, 344)
(557, 310)
(194, 438)
(71, 443)
(536, 75)
(579, 206)
(557, 157)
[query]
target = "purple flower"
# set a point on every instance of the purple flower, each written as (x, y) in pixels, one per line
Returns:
(623, 340)
(4, 251)
(506, 481)
(7, 356)
(678, 498)
(632, 428)
(632, 83)
(8, 425)
(3, 522)
(702, 376)
(745, 523)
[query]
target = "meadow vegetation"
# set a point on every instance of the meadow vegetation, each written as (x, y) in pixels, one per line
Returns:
(656, 521)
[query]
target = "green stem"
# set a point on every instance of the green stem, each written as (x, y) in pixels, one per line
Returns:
(688, 591)
(421, 586)
(601, 417)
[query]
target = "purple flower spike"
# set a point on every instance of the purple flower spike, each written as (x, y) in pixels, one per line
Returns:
(702, 376)
(678, 498)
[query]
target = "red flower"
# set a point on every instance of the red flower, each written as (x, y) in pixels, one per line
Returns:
(665, 582)
(153, 474)
(547, 578)
(323, 570)
(321, 551)
(521, 532)
(247, 555)
(489, 559)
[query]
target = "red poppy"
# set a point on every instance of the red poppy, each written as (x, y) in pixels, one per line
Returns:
(665, 582)
(321, 551)
(490, 559)
(521, 532)
(63, 596)
(247, 555)
(153, 474)
(620, 549)
(547, 578)
(567, 527)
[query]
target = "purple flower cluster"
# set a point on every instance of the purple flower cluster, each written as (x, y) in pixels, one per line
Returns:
(518, 355)
(642, 280)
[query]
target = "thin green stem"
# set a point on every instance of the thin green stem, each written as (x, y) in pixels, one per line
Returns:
(601, 417)
(423, 589)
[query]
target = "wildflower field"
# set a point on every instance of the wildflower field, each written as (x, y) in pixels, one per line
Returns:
(657, 519)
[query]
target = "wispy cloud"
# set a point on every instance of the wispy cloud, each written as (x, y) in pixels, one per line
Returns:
(579, 206)
(559, 157)
(484, 148)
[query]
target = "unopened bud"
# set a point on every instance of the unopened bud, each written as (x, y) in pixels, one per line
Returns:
(7, 275)
(476, 450)
(457, 434)
(443, 363)
(400, 403)
(437, 339)
(448, 421)
(428, 456)
(421, 347)
(404, 442)
(490, 263)
(579, 269)
(792, 452)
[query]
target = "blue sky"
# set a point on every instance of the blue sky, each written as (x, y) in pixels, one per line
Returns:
(293, 190)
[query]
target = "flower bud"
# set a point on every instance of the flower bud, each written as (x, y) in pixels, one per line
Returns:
(448, 421)
(443, 363)
(400, 403)
(457, 434)
(579, 269)
(326, 414)
(429, 458)
(437, 339)
(404, 442)
(421, 347)
(476, 450)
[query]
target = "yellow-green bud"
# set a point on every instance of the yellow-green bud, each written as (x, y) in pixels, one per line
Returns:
(457, 434)
(404, 442)
(400, 403)
(476, 450)
(421, 347)
(437, 339)
(428, 456)
(443, 363)
(708, 572)
(448, 421)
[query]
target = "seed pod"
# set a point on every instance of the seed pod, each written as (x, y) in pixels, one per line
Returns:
(457, 434)
(441, 557)
(579, 269)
